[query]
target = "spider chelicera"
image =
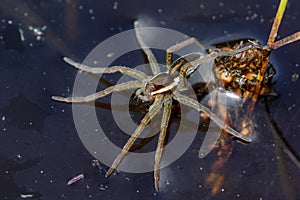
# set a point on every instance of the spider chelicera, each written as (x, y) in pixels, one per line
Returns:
(161, 90)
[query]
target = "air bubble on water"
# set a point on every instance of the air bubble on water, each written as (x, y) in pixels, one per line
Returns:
(295, 77)
(38, 32)
(91, 11)
(115, 6)
(109, 55)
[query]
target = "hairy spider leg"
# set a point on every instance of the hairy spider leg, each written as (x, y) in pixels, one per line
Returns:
(197, 106)
(170, 51)
(153, 110)
(163, 131)
(108, 70)
(169, 58)
(188, 68)
(119, 87)
(140, 76)
(150, 56)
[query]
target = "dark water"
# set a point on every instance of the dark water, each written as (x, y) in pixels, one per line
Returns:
(40, 149)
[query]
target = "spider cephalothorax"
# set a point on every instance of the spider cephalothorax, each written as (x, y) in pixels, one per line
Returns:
(158, 84)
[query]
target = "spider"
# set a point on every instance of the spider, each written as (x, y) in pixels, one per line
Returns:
(161, 90)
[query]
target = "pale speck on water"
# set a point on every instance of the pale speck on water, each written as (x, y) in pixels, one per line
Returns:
(109, 55)
(115, 6)
(295, 77)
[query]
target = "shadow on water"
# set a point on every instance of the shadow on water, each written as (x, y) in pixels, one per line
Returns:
(22, 113)
(9, 167)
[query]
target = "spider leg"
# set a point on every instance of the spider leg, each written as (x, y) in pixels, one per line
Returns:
(108, 70)
(94, 96)
(153, 110)
(161, 139)
(176, 47)
(197, 106)
(150, 56)
(139, 94)
(188, 68)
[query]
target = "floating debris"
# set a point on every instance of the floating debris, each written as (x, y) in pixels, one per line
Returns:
(22, 34)
(103, 187)
(38, 32)
(75, 179)
(95, 163)
(109, 55)
(115, 6)
(295, 77)
(91, 11)
(25, 196)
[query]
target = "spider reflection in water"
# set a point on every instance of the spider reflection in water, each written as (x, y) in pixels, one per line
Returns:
(162, 89)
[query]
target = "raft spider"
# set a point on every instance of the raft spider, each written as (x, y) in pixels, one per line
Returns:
(160, 89)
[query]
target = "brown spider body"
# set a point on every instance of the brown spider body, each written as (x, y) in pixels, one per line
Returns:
(164, 82)
(157, 83)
